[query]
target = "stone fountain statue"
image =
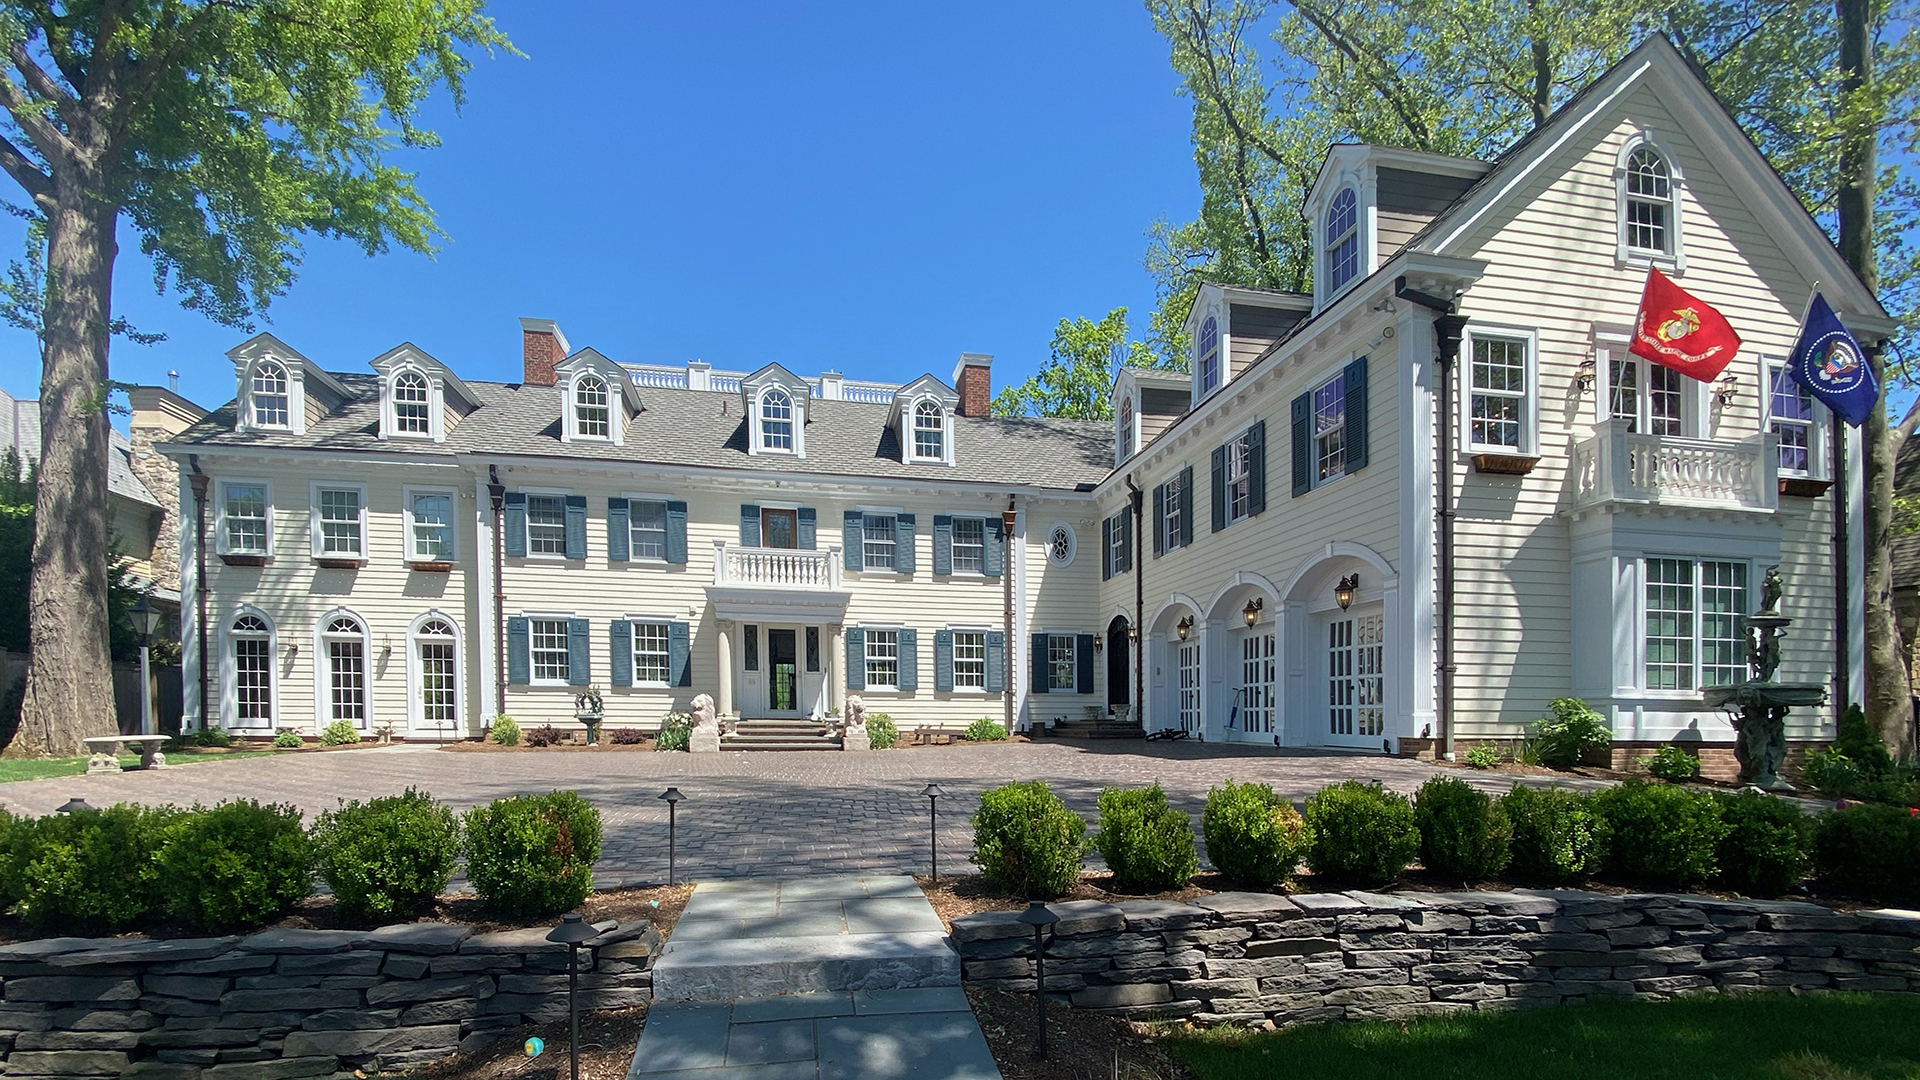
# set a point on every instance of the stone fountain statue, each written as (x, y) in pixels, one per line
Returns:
(588, 710)
(1759, 706)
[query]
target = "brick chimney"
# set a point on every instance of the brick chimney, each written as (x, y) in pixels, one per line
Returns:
(972, 379)
(542, 346)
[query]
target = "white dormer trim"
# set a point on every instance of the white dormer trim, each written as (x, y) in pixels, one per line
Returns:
(1125, 402)
(1348, 168)
(255, 354)
(622, 397)
(904, 418)
(757, 393)
(1624, 255)
(409, 359)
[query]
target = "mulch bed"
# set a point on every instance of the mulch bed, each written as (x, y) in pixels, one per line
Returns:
(607, 1040)
(1080, 1045)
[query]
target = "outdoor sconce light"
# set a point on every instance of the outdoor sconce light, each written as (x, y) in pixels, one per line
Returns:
(1726, 389)
(1133, 634)
(75, 805)
(1039, 917)
(1251, 612)
(1099, 643)
(573, 932)
(1184, 625)
(672, 798)
(933, 793)
(1343, 592)
(1584, 380)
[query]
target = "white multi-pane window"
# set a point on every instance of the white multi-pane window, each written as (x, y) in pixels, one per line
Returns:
(1343, 240)
(1239, 482)
(411, 404)
(1169, 523)
(1209, 354)
(776, 420)
(883, 658)
(1330, 430)
(647, 530)
(339, 521)
(346, 644)
(929, 433)
(1790, 418)
(591, 415)
(269, 394)
(1693, 611)
(546, 525)
(547, 639)
(431, 538)
(1256, 683)
(1646, 396)
(969, 545)
(969, 660)
(439, 695)
(1497, 408)
(1189, 686)
(252, 645)
(1648, 202)
(1062, 672)
(1126, 427)
(246, 518)
(650, 653)
(877, 542)
(1118, 557)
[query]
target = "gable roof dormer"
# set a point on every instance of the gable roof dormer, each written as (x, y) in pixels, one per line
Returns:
(1146, 401)
(1368, 201)
(420, 397)
(1231, 325)
(278, 389)
(922, 417)
(774, 401)
(597, 399)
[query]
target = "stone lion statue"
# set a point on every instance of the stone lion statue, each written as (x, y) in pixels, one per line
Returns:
(856, 712)
(703, 716)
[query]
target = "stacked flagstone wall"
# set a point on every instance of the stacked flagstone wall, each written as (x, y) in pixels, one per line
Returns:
(1250, 957)
(293, 1003)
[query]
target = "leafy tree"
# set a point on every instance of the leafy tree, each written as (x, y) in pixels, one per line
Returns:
(224, 131)
(1084, 356)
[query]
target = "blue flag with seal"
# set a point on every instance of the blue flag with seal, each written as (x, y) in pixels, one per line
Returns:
(1828, 362)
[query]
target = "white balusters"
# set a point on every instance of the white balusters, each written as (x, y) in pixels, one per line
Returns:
(1617, 465)
(775, 568)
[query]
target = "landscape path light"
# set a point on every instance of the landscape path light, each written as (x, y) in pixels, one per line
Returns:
(1039, 916)
(933, 793)
(672, 798)
(75, 805)
(573, 932)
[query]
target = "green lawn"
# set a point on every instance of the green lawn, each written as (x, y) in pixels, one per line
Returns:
(1837, 1037)
(42, 768)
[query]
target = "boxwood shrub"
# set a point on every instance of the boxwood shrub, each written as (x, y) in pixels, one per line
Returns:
(1463, 833)
(985, 729)
(532, 855)
(1665, 835)
(340, 733)
(1768, 845)
(1360, 833)
(387, 858)
(505, 730)
(1027, 842)
(1147, 843)
(882, 732)
(1869, 850)
(1253, 836)
(1557, 837)
(89, 871)
(235, 865)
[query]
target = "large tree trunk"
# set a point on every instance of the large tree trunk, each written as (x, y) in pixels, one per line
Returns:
(69, 678)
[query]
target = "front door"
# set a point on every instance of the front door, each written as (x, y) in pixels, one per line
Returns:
(783, 672)
(780, 529)
(1355, 678)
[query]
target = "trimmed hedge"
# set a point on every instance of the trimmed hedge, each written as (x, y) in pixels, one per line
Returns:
(1253, 836)
(1027, 842)
(1768, 844)
(1147, 843)
(94, 870)
(1869, 850)
(1463, 833)
(389, 857)
(532, 855)
(236, 865)
(1361, 833)
(1557, 837)
(1662, 834)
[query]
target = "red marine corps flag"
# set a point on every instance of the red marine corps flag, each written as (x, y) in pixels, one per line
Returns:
(1681, 332)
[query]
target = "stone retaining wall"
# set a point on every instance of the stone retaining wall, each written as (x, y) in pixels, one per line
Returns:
(293, 1003)
(1249, 957)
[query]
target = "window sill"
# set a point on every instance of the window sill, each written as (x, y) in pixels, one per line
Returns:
(431, 566)
(1804, 487)
(243, 560)
(1504, 464)
(339, 562)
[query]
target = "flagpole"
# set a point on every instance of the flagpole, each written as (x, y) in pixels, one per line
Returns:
(1842, 493)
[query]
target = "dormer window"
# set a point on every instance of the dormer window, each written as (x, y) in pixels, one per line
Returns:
(1208, 364)
(1342, 240)
(411, 399)
(591, 411)
(1649, 197)
(269, 393)
(1126, 427)
(929, 431)
(776, 420)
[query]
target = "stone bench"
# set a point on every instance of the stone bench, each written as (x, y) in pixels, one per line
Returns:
(105, 751)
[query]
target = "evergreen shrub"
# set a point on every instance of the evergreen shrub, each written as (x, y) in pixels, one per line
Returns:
(505, 731)
(1027, 842)
(1768, 845)
(1869, 850)
(1147, 843)
(1253, 836)
(389, 857)
(236, 865)
(1557, 837)
(1463, 832)
(532, 856)
(1665, 835)
(1360, 833)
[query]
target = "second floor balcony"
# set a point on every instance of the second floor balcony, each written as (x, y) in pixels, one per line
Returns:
(1618, 466)
(739, 567)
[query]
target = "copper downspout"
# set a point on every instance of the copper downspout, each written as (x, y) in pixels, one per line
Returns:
(198, 480)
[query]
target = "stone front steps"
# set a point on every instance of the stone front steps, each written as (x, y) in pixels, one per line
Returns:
(780, 735)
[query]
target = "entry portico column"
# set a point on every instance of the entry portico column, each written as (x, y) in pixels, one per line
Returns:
(723, 706)
(836, 665)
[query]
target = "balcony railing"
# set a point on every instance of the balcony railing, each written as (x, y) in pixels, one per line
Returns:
(1618, 466)
(775, 568)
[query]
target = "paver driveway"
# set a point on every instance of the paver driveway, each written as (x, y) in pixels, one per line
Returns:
(748, 814)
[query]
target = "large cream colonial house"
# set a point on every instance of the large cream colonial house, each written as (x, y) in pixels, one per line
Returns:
(1412, 507)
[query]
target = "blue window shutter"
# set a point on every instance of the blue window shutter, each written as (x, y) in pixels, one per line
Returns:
(903, 543)
(1038, 663)
(1302, 445)
(680, 654)
(942, 544)
(1357, 415)
(808, 526)
(996, 662)
(513, 522)
(620, 654)
(1186, 507)
(677, 533)
(519, 653)
(576, 526)
(1219, 488)
(996, 547)
(1083, 657)
(1106, 548)
(619, 522)
(579, 652)
(851, 548)
(943, 660)
(909, 678)
(749, 525)
(856, 658)
(1257, 468)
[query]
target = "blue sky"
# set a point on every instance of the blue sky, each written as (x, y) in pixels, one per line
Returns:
(873, 188)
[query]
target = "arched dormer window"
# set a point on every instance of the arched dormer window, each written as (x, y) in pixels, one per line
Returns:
(591, 411)
(1342, 240)
(776, 420)
(269, 395)
(412, 414)
(1648, 186)
(1126, 427)
(929, 432)
(1207, 356)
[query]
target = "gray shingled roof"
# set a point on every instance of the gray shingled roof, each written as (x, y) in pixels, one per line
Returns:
(689, 427)
(20, 429)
